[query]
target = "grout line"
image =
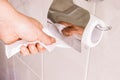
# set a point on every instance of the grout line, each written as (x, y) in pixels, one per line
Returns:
(88, 56)
(14, 68)
(42, 60)
(28, 67)
(87, 64)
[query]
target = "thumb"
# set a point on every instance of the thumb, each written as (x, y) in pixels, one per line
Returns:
(46, 39)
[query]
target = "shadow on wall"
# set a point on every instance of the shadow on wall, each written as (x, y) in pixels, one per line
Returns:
(6, 65)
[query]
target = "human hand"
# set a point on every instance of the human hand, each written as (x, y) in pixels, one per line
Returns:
(16, 26)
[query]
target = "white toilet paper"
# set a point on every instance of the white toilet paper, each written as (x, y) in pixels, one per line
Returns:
(91, 35)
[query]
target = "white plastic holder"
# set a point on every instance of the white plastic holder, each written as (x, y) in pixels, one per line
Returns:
(93, 32)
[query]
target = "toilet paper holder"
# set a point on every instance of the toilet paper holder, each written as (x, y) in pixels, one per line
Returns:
(78, 15)
(107, 28)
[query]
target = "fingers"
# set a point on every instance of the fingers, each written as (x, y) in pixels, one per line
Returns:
(32, 49)
(24, 51)
(40, 48)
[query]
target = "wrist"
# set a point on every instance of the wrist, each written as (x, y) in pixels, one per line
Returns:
(6, 10)
(3, 1)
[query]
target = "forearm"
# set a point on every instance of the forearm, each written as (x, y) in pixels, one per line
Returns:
(3, 0)
(6, 9)
(6, 14)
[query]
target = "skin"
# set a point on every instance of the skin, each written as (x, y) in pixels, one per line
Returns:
(71, 29)
(15, 26)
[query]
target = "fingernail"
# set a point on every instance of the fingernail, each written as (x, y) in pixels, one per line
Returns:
(40, 46)
(50, 41)
(26, 53)
(44, 49)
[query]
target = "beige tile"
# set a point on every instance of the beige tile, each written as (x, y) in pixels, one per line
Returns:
(104, 61)
(64, 64)
(108, 10)
(4, 69)
(105, 58)
(15, 68)
(34, 62)
(23, 71)
(37, 9)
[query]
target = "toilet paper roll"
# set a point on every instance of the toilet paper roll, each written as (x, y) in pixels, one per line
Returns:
(92, 35)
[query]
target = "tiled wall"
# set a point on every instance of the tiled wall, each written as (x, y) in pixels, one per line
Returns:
(105, 58)
(66, 64)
